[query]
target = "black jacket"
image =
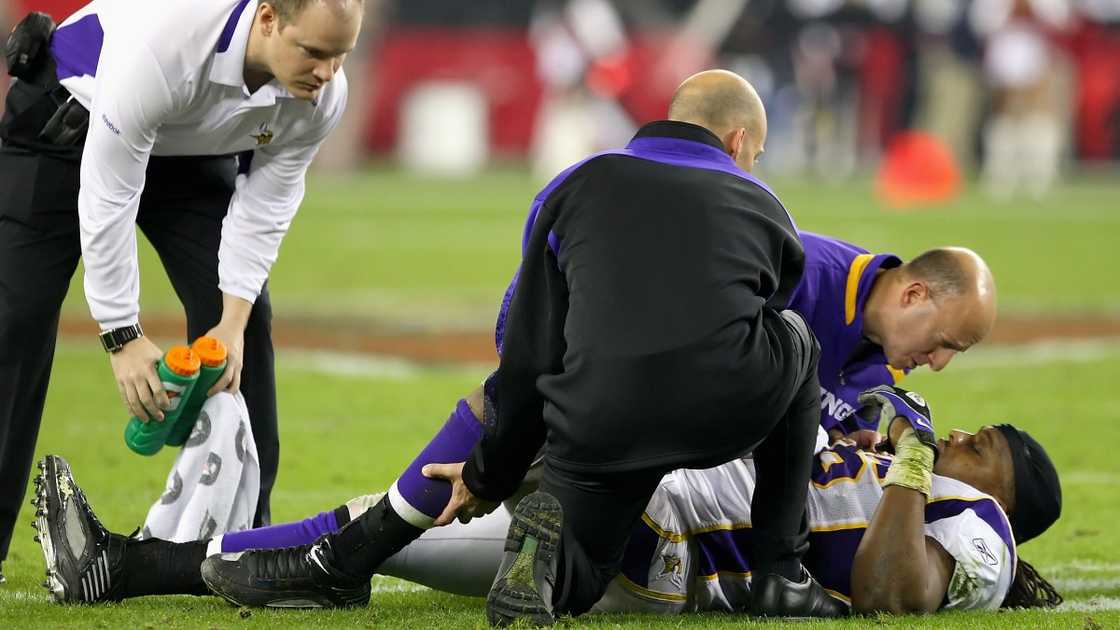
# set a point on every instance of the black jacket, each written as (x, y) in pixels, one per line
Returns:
(637, 336)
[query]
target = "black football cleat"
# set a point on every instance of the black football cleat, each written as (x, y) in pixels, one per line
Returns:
(291, 577)
(776, 596)
(84, 561)
(524, 584)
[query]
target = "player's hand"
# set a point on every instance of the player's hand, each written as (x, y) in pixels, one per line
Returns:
(233, 337)
(134, 367)
(864, 439)
(899, 409)
(462, 504)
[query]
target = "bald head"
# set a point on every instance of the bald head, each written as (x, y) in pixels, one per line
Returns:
(933, 307)
(728, 106)
(289, 9)
(960, 276)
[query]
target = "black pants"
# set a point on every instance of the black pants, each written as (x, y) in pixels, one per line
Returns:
(181, 212)
(600, 510)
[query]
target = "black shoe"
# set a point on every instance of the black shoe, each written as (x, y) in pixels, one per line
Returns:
(292, 577)
(776, 596)
(2, 578)
(84, 561)
(527, 575)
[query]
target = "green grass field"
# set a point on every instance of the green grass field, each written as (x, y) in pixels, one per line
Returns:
(402, 253)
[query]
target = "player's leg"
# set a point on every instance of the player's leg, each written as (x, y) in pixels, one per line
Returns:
(181, 213)
(460, 558)
(87, 563)
(566, 542)
(39, 251)
(335, 571)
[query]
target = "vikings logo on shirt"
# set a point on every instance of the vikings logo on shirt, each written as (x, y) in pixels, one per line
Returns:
(263, 135)
(671, 564)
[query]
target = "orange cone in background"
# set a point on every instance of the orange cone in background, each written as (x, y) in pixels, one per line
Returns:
(917, 170)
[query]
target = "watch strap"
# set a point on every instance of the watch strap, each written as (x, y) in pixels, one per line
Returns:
(114, 339)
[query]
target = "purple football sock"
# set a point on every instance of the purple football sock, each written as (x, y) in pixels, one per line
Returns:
(419, 500)
(284, 535)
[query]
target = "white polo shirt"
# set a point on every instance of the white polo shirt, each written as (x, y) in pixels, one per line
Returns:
(167, 78)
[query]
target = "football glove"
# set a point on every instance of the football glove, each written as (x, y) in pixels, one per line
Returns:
(884, 403)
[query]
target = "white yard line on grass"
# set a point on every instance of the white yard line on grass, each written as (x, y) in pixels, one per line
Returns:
(22, 596)
(1089, 605)
(1081, 585)
(1085, 566)
(1039, 353)
(384, 584)
(367, 366)
(1090, 478)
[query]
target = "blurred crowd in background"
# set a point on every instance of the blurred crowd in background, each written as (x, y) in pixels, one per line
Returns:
(1016, 91)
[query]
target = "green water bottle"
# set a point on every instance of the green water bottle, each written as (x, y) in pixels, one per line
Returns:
(178, 369)
(211, 354)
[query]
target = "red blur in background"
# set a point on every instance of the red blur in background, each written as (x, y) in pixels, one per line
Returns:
(917, 170)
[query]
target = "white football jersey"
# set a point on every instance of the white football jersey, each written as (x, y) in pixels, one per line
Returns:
(692, 551)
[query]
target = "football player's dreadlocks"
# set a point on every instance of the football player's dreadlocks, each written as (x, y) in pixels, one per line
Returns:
(1030, 590)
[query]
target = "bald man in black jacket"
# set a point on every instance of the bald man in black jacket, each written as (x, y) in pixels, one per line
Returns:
(640, 340)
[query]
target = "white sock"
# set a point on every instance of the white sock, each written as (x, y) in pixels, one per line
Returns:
(214, 547)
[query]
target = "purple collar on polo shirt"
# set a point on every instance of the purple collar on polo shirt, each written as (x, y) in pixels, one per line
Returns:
(667, 142)
(685, 144)
(228, 67)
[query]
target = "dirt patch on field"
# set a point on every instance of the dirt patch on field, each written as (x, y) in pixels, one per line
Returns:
(342, 336)
(478, 346)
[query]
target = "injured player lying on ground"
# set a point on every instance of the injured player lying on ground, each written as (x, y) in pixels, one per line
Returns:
(873, 545)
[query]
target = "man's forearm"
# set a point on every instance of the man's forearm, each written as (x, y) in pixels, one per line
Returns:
(890, 564)
(235, 312)
(897, 568)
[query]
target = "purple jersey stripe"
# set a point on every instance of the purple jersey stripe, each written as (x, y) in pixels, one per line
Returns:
(231, 26)
(638, 554)
(987, 509)
(724, 551)
(830, 557)
(76, 47)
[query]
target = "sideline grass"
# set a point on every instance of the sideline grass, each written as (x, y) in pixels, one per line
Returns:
(400, 250)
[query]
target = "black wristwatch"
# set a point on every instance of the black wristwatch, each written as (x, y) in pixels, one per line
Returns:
(113, 340)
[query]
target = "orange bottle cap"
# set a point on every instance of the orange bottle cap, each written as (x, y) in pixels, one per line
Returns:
(182, 361)
(211, 352)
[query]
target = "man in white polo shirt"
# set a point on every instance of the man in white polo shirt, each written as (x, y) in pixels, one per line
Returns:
(131, 117)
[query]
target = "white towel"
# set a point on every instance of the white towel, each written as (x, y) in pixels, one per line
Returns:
(214, 484)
